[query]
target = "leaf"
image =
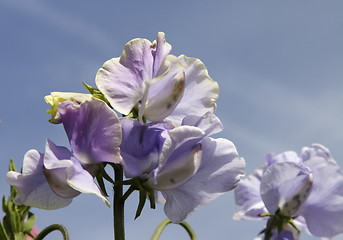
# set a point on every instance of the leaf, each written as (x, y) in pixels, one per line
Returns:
(142, 199)
(3, 234)
(29, 223)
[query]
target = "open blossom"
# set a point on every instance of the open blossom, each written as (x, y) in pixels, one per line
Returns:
(185, 167)
(148, 80)
(51, 180)
(292, 186)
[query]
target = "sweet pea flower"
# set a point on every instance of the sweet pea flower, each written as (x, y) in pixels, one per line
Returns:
(55, 98)
(307, 189)
(188, 168)
(51, 180)
(146, 80)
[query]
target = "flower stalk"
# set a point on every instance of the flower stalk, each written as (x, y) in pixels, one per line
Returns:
(118, 202)
(164, 223)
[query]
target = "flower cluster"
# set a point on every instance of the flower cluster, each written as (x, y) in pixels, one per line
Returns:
(162, 141)
(294, 192)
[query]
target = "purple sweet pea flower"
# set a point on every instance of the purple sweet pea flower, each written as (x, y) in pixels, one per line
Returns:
(192, 169)
(52, 180)
(93, 130)
(146, 79)
(308, 189)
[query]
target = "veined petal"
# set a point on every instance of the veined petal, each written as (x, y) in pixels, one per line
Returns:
(177, 171)
(160, 50)
(56, 162)
(248, 199)
(219, 172)
(201, 91)
(67, 177)
(93, 130)
(178, 140)
(209, 123)
(162, 104)
(288, 156)
(122, 87)
(280, 183)
(316, 150)
(141, 146)
(55, 98)
(137, 57)
(82, 181)
(323, 210)
(32, 186)
(122, 80)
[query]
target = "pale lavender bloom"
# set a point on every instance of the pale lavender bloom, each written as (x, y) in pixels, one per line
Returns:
(192, 169)
(32, 185)
(141, 146)
(93, 130)
(51, 180)
(308, 188)
(146, 79)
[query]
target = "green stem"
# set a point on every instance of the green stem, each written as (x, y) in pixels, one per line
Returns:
(52, 228)
(164, 223)
(118, 208)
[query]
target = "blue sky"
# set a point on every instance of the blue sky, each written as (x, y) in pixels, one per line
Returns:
(279, 65)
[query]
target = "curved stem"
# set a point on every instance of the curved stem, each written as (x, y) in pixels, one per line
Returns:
(118, 205)
(52, 228)
(164, 223)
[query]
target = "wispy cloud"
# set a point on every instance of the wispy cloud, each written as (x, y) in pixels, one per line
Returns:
(71, 25)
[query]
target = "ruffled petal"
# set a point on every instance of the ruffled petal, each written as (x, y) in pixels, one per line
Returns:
(164, 102)
(220, 170)
(93, 130)
(122, 80)
(122, 87)
(249, 203)
(82, 181)
(209, 123)
(33, 188)
(57, 160)
(55, 98)
(323, 210)
(281, 182)
(140, 147)
(179, 139)
(288, 156)
(201, 91)
(160, 50)
(66, 176)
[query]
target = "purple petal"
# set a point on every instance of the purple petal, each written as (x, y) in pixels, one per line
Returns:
(316, 150)
(288, 156)
(33, 188)
(179, 140)
(66, 176)
(93, 130)
(140, 147)
(323, 210)
(122, 87)
(57, 160)
(209, 123)
(179, 170)
(219, 172)
(162, 49)
(248, 199)
(82, 181)
(200, 93)
(122, 79)
(164, 102)
(280, 182)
